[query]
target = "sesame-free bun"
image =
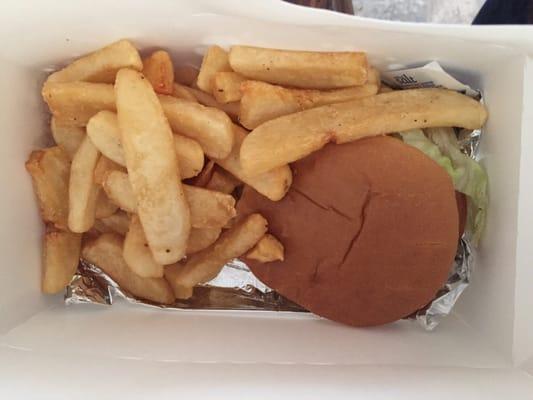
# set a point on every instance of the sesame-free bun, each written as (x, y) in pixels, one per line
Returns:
(370, 231)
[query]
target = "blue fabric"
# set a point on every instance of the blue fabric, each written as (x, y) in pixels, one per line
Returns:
(496, 12)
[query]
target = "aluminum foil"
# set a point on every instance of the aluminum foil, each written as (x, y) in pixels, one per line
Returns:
(236, 288)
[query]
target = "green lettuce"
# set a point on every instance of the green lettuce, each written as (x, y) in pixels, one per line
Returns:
(467, 174)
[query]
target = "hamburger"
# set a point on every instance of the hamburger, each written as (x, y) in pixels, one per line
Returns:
(370, 231)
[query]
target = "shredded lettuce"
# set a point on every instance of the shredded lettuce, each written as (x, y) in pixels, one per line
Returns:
(467, 174)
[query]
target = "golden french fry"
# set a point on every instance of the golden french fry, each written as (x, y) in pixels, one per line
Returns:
(186, 74)
(223, 182)
(301, 69)
(74, 103)
(215, 60)
(374, 77)
(106, 253)
(67, 137)
(100, 66)
(152, 165)
(273, 184)
(208, 209)
(159, 70)
(200, 238)
(232, 109)
(190, 156)
(104, 206)
(183, 92)
(210, 127)
(206, 264)
(117, 186)
(137, 254)
(262, 101)
(61, 254)
(119, 223)
(182, 292)
(104, 132)
(104, 165)
(50, 171)
(93, 233)
(385, 89)
(268, 249)
(227, 86)
(292, 137)
(204, 176)
(82, 189)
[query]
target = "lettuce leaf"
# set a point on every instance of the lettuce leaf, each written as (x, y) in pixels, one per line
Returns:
(467, 174)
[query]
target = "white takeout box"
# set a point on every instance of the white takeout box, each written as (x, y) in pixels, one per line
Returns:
(48, 350)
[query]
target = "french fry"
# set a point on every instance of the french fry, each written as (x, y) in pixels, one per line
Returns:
(215, 60)
(301, 69)
(82, 189)
(117, 186)
(100, 66)
(152, 167)
(183, 92)
(190, 156)
(106, 253)
(92, 233)
(61, 254)
(385, 89)
(262, 101)
(273, 184)
(137, 254)
(50, 171)
(159, 70)
(205, 175)
(74, 103)
(232, 109)
(292, 137)
(210, 127)
(268, 249)
(186, 74)
(119, 223)
(208, 209)
(182, 292)
(104, 132)
(223, 182)
(374, 77)
(104, 207)
(227, 86)
(68, 138)
(201, 238)
(206, 264)
(104, 165)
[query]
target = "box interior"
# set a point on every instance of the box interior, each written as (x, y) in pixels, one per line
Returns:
(490, 326)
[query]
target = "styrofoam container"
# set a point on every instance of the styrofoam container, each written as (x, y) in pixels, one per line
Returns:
(48, 350)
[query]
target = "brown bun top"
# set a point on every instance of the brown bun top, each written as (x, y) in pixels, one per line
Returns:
(370, 231)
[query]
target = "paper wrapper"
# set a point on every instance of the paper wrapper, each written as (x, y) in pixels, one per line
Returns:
(236, 288)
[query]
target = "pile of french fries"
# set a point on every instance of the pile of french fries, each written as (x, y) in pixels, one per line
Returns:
(129, 131)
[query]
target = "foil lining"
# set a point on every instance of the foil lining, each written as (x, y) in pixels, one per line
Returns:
(236, 288)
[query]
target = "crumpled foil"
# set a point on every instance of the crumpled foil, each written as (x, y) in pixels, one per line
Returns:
(236, 288)
(459, 277)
